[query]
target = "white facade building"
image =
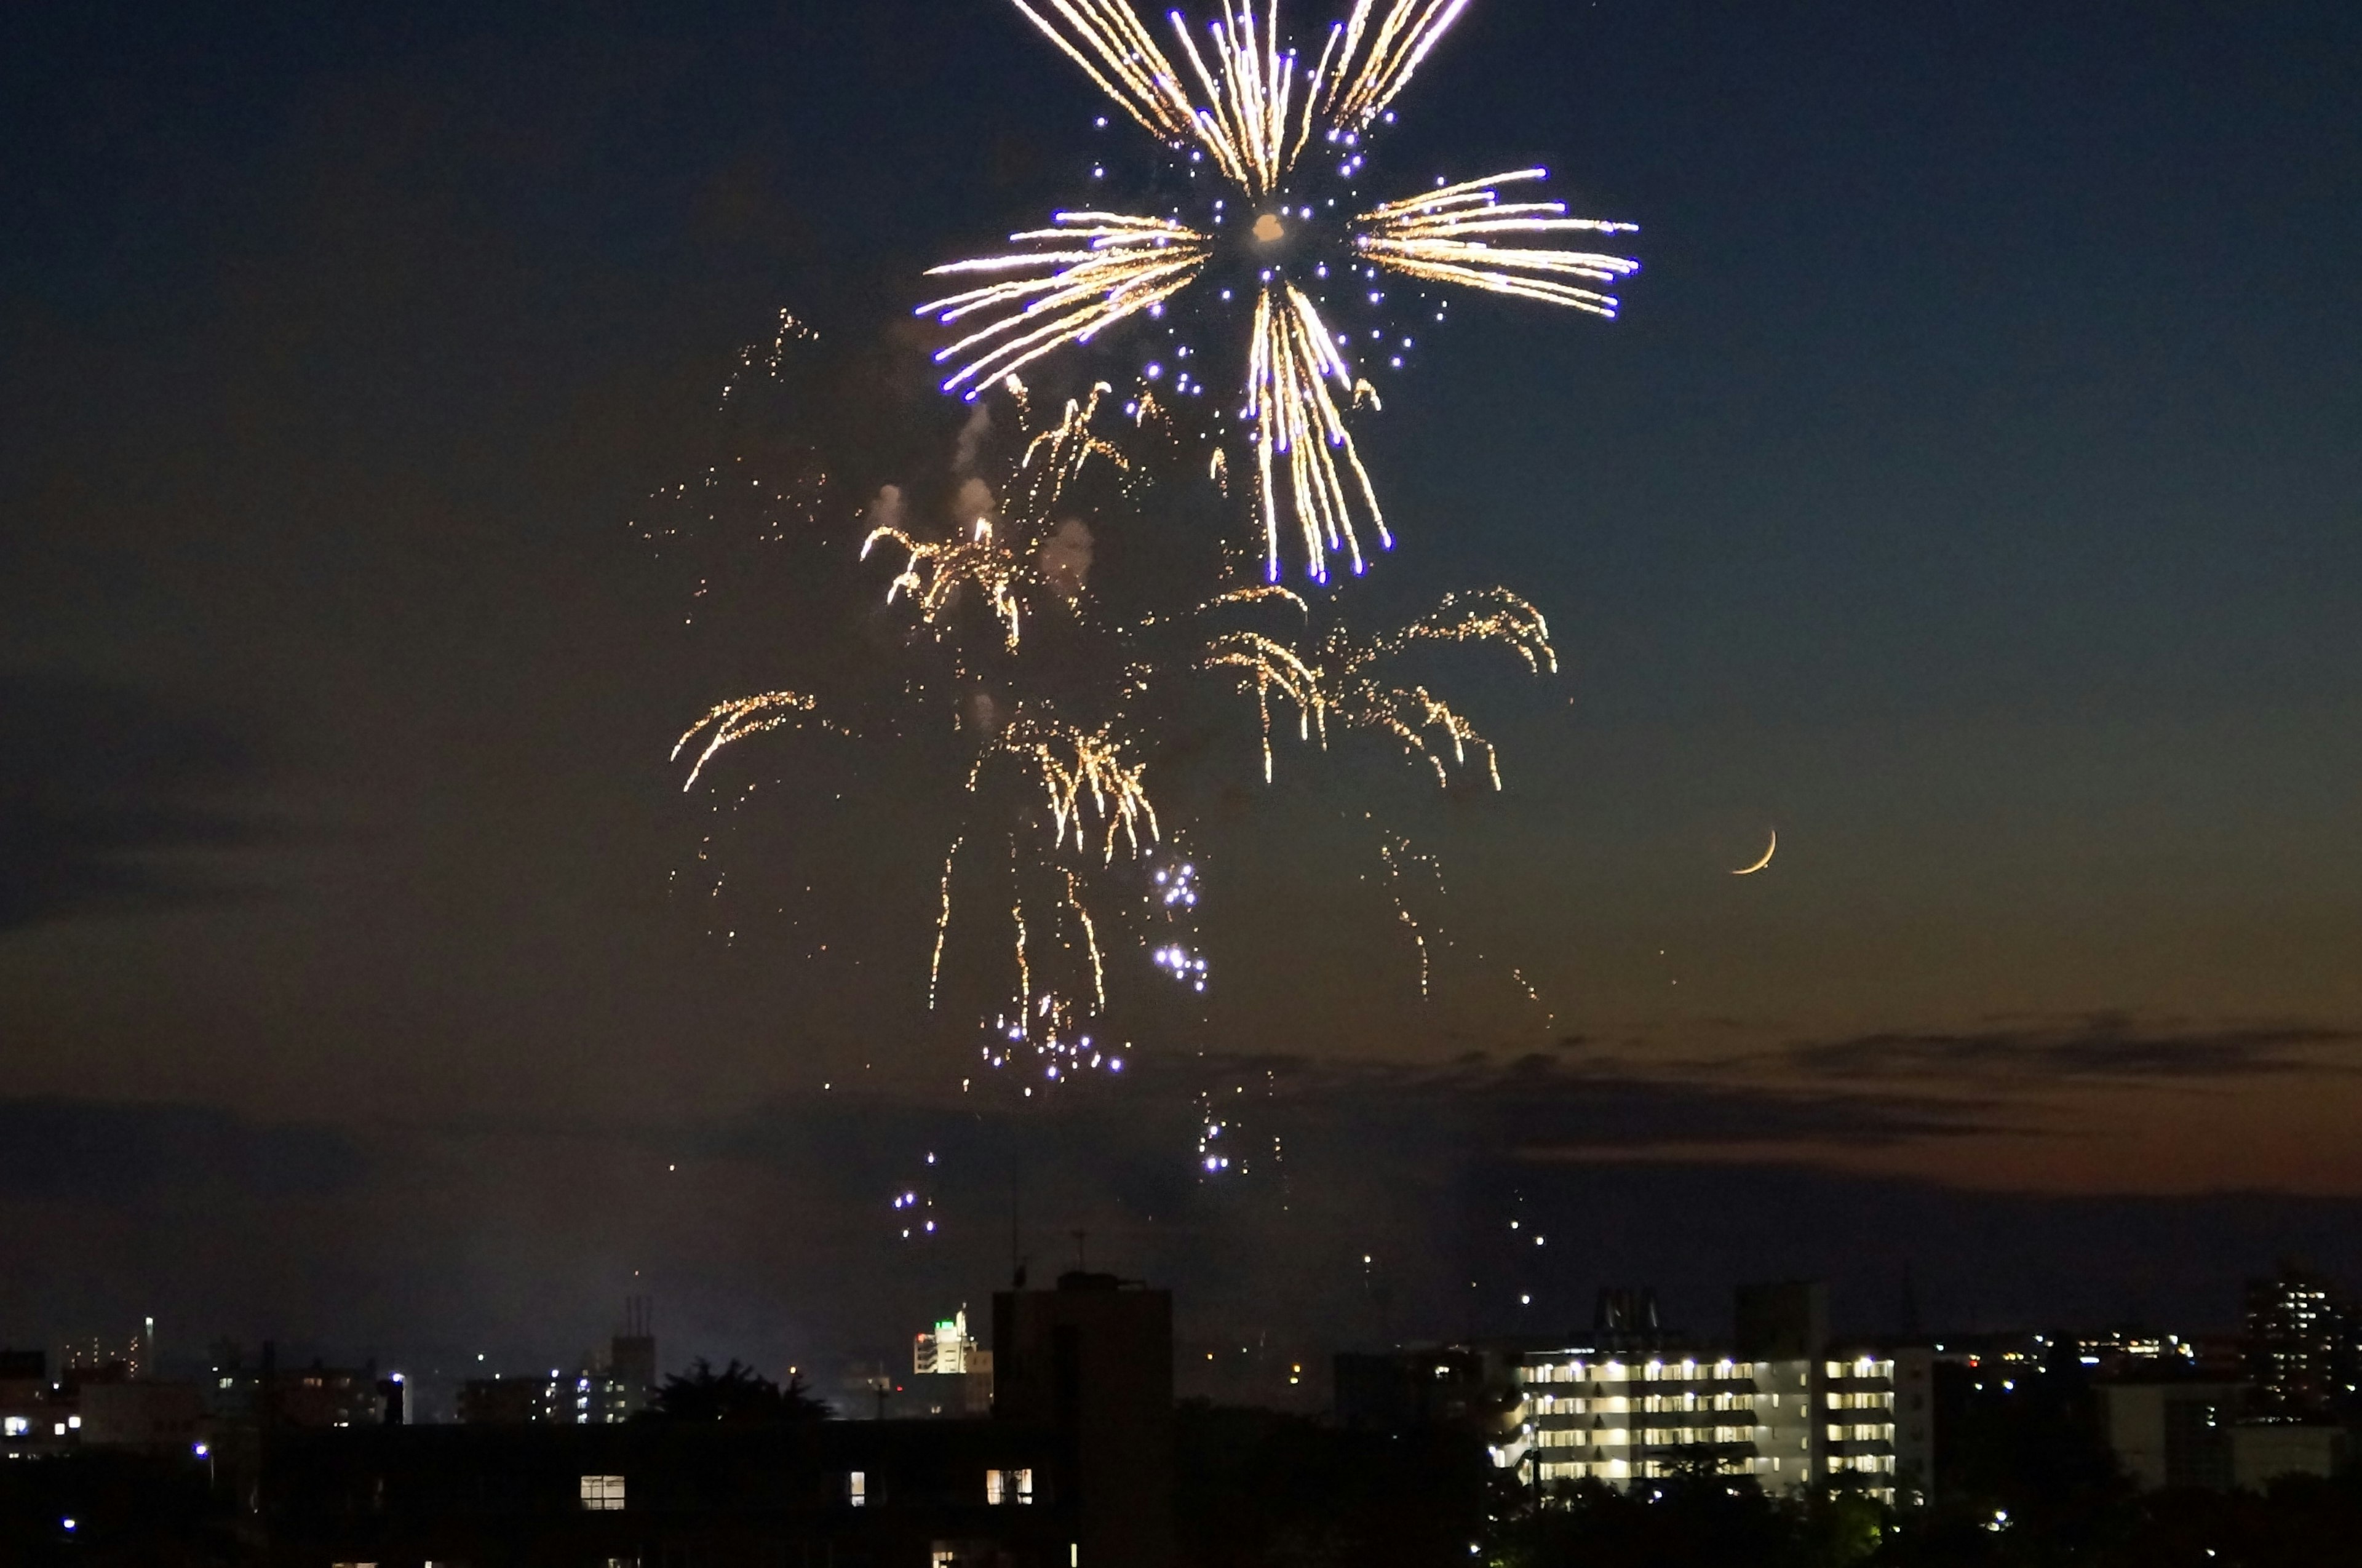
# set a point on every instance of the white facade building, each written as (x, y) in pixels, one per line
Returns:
(950, 1350)
(1789, 1423)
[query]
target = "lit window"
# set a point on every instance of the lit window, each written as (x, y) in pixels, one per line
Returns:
(856, 1488)
(1008, 1486)
(18, 1425)
(602, 1494)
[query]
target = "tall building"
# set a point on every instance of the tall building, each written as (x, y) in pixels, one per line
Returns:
(97, 1359)
(1092, 1361)
(2296, 1343)
(631, 1356)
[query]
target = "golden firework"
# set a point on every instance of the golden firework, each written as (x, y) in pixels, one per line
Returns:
(1247, 105)
(1003, 561)
(1343, 677)
(725, 723)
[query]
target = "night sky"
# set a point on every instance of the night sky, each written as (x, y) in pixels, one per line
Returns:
(1970, 491)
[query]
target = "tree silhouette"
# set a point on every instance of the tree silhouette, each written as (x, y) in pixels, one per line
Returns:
(736, 1393)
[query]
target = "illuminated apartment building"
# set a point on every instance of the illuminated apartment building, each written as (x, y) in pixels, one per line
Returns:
(1781, 1406)
(2297, 1344)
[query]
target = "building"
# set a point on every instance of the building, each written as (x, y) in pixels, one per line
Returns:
(585, 1397)
(2262, 1451)
(602, 1390)
(951, 1375)
(154, 1416)
(1092, 1361)
(1780, 1404)
(2173, 1431)
(851, 1494)
(2189, 1431)
(1634, 1401)
(130, 1358)
(1915, 1421)
(2132, 1351)
(1471, 1388)
(33, 1412)
(1072, 1470)
(2297, 1343)
(632, 1355)
(262, 1394)
(1789, 1424)
(1477, 1387)
(96, 1405)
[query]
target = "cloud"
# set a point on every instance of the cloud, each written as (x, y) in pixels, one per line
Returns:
(106, 795)
(131, 1155)
(1539, 1106)
(2104, 1046)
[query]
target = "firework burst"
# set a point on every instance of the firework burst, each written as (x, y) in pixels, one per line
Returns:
(1055, 839)
(1286, 144)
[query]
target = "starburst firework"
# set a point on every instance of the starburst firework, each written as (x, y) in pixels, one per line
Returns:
(1248, 110)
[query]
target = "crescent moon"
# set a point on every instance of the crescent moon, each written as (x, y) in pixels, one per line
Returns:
(1767, 854)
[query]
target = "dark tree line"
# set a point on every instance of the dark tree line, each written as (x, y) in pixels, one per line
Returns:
(736, 1393)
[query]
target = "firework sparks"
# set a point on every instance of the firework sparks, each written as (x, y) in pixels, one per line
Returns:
(1006, 562)
(1247, 109)
(1441, 236)
(1105, 267)
(938, 568)
(1342, 677)
(726, 723)
(1082, 773)
(1398, 856)
(1060, 829)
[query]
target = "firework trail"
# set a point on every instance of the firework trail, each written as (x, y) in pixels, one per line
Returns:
(1286, 144)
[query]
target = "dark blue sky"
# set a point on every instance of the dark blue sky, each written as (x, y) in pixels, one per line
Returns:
(1969, 490)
